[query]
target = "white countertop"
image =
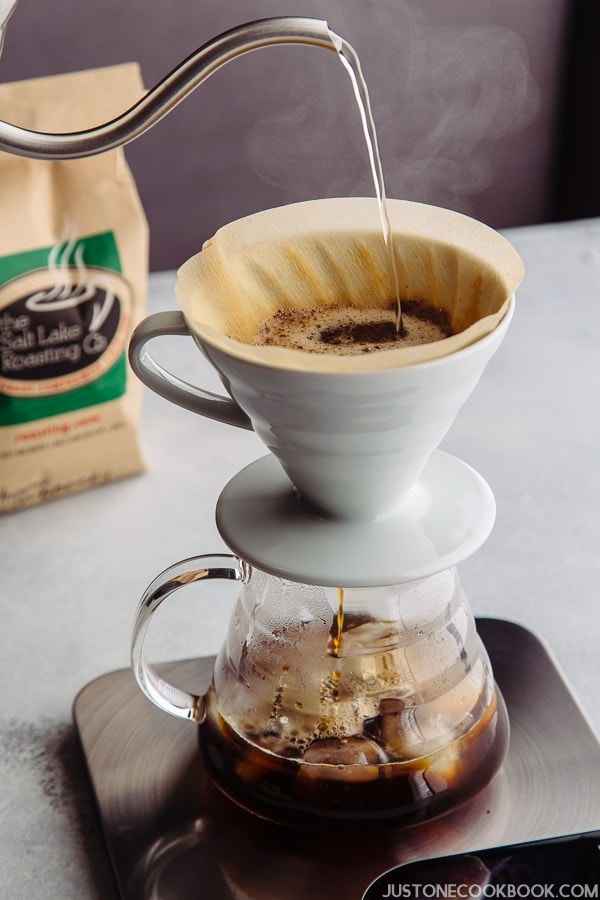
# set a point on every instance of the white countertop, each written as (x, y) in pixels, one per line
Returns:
(73, 570)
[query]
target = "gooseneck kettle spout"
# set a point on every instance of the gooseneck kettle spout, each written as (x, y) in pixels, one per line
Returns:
(164, 96)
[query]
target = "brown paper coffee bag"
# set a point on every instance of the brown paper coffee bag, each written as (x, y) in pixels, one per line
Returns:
(73, 282)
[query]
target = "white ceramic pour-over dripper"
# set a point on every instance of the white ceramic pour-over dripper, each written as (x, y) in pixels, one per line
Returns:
(352, 433)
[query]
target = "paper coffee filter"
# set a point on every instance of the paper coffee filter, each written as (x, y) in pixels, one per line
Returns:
(328, 252)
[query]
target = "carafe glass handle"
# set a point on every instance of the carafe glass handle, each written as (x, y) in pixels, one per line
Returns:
(198, 568)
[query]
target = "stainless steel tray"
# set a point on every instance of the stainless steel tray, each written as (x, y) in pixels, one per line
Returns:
(172, 836)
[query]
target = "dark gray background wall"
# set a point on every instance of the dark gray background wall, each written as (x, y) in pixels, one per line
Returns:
(467, 98)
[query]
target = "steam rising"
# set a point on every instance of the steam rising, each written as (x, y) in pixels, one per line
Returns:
(443, 96)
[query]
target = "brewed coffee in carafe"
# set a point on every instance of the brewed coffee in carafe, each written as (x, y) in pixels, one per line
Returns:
(332, 708)
(363, 705)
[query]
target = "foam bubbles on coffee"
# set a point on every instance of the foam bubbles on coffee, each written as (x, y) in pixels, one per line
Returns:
(349, 330)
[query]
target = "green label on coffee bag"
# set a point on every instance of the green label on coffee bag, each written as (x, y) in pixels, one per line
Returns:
(64, 320)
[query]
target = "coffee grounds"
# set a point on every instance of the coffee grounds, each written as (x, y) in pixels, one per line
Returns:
(348, 330)
(361, 333)
(425, 312)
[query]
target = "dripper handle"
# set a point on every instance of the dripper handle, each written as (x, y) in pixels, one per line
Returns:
(166, 696)
(169, 386)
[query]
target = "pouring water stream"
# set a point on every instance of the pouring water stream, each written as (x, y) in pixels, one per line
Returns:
(350, 61)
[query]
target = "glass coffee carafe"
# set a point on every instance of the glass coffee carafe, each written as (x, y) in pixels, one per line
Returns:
(332, 705)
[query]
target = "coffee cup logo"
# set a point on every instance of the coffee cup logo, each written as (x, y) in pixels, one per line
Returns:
(61, 327)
